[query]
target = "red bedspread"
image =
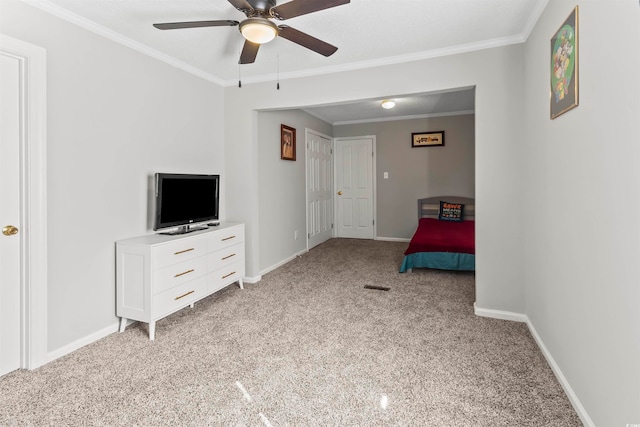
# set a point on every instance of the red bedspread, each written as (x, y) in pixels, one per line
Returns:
(434, 235)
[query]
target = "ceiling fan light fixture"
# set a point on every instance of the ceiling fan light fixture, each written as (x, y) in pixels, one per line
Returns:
(388, 104)
(258, 30)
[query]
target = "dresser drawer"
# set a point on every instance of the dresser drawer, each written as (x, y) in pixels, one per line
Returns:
(225, 276)
(178, 251)
(178, 297)
(226, 237)
(174, 275)
(225, 256)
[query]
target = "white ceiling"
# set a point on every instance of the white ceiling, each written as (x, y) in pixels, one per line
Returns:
(432, 104)
(367, 33)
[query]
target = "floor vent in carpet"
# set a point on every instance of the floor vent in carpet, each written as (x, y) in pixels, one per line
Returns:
(377, 288)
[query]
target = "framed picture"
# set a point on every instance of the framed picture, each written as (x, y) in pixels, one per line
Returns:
(427, 139)
(564, 66)
(287, 143)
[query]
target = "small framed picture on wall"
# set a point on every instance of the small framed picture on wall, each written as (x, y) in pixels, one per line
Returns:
(427, 139)
(287, 143)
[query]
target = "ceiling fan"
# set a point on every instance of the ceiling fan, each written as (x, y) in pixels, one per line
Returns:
(258, 28)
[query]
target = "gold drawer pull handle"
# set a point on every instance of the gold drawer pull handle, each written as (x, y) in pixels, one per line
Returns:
(182, 296)
(228, 256)
(185, 272)
(186, 250)
(230, 274)
(227, 238)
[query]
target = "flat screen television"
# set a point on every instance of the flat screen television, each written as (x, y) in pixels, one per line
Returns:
(186, 202)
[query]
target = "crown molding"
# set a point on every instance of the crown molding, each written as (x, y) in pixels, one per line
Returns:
(380, 62)
(534, 16)
(397, 118)
(119, 38)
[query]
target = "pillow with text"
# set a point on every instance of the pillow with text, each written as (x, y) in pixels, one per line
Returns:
(451, 211)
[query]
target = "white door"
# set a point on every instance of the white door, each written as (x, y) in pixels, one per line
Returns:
(10, 218)
(319, 189)
(355, 187)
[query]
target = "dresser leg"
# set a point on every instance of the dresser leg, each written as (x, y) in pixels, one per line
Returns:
(240, 284)
(123, 324)
(152, 330)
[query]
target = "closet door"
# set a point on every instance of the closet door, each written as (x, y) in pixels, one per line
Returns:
(319, 189)
(355, 188)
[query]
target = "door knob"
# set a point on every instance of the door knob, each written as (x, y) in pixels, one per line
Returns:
(9, 230)
(339, 193)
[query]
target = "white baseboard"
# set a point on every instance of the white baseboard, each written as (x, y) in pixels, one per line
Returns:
(575, 402)
(283, 262)
(254, 279)
(499, 314)
(393, 239)
(70, 348)
(517, 317)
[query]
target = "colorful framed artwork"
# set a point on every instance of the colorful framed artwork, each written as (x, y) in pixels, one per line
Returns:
(287, 143)
(427, 139)
(564, 66)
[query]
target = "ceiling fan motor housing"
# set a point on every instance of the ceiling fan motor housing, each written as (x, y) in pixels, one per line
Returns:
(262, 4)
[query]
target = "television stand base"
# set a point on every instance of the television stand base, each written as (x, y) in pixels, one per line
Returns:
(184, 230)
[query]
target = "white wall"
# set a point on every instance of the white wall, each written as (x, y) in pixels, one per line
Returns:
(115, 116)
(497, 76)
(282, 186)
(582, 208)
(417, 172)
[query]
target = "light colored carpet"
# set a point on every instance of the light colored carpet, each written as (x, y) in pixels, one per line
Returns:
(307, 346)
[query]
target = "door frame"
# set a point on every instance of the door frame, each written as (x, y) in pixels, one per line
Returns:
(374, 179)
(33, 191)
(306, 180)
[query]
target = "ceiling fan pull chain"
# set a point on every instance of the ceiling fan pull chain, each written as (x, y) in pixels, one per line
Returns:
(278, 68)
(239, 77)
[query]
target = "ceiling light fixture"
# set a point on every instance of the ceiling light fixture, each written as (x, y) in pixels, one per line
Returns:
(388, 104)
(258, 30)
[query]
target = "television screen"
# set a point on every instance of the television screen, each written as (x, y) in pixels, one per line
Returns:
(185, 199)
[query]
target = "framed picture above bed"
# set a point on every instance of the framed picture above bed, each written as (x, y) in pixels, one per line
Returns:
(427, 139)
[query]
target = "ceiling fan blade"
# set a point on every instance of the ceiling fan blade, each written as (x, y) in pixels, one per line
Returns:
(195, 24)
(305, 40)
(302, 7)
(242, 6)
(249, 52)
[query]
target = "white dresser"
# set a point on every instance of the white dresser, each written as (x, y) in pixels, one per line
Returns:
(158, 274)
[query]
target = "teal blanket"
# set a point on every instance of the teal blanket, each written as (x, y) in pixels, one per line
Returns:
(440, 261)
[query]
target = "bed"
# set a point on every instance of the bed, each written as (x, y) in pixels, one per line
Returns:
(445, 237)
